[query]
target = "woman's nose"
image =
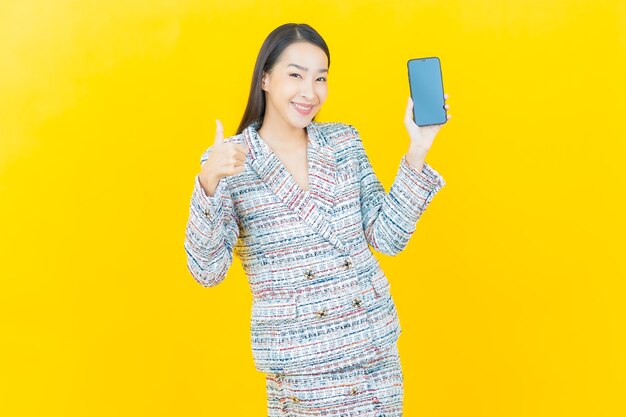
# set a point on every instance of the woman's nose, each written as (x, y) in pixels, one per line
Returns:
(307, 91)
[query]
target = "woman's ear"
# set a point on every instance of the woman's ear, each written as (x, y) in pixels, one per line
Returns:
(264, 81)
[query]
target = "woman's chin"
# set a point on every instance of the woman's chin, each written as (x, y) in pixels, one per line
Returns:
(303, 121)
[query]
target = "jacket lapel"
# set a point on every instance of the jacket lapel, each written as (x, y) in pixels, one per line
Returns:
(314, 207)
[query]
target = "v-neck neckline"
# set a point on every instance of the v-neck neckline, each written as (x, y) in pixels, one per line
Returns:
(314, 206)
(269, 151)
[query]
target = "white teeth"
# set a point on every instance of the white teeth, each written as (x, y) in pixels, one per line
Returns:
(301, 107)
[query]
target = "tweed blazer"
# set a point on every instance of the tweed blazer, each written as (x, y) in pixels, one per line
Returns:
(320, 298)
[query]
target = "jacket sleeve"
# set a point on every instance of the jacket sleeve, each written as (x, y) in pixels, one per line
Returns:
(212, 232)
(389, 219)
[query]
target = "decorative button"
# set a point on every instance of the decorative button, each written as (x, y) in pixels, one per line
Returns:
(321, 313)
(356, 302)
(354, 391)
(347, 264)
(295, 399)
(309, 274)
(207, 212)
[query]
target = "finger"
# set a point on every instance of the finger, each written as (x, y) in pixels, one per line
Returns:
(241, 148)
(446, 96)
(240, 157)
(219, 133)
(408, 116)
(237, 168)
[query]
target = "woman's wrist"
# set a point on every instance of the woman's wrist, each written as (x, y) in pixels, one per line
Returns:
(416, 158)
(208, 185)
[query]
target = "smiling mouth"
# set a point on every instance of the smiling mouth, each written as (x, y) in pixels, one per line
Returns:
(303, 109)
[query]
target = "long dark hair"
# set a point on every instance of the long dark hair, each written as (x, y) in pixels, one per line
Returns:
(275, 43)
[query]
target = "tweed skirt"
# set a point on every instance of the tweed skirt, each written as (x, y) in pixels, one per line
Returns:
(373, 389)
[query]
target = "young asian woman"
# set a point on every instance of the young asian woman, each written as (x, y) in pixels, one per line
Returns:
(299, 203)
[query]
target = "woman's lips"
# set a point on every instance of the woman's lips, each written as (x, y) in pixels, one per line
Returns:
(303, 109)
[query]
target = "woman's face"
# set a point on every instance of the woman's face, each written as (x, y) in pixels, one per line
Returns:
(296, 87)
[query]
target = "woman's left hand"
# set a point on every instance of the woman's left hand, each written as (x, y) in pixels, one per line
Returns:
(421, 136)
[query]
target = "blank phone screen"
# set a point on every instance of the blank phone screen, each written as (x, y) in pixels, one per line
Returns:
(427, 91)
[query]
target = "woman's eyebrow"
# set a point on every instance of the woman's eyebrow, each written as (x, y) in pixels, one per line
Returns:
(306, 69)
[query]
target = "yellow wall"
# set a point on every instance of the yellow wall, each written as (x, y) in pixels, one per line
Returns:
(511, 293)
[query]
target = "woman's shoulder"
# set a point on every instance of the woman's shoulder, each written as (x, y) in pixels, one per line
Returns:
(337, 134)
(343, 137)
(333, 128)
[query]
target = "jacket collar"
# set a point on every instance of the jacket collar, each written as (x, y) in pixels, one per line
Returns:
(260, 149)
(314, 207)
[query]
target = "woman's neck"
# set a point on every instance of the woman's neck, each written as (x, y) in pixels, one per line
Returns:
(282, 135)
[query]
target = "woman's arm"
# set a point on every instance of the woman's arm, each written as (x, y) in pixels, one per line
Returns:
(212, 232)
(389, 219)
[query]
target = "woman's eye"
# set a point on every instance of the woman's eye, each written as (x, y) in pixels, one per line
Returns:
(295, 74)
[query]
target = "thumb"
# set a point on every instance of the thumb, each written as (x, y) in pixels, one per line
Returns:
(219, 133)
(408, 113)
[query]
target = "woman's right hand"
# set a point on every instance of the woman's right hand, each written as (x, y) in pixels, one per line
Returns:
(225, 159)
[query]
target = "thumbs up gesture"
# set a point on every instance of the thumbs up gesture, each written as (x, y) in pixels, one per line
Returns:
(225, 159)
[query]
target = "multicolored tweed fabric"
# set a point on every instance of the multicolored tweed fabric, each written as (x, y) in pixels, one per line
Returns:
(321, 301)
(373, 389)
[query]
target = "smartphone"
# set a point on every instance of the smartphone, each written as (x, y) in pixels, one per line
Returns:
(426, 85)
